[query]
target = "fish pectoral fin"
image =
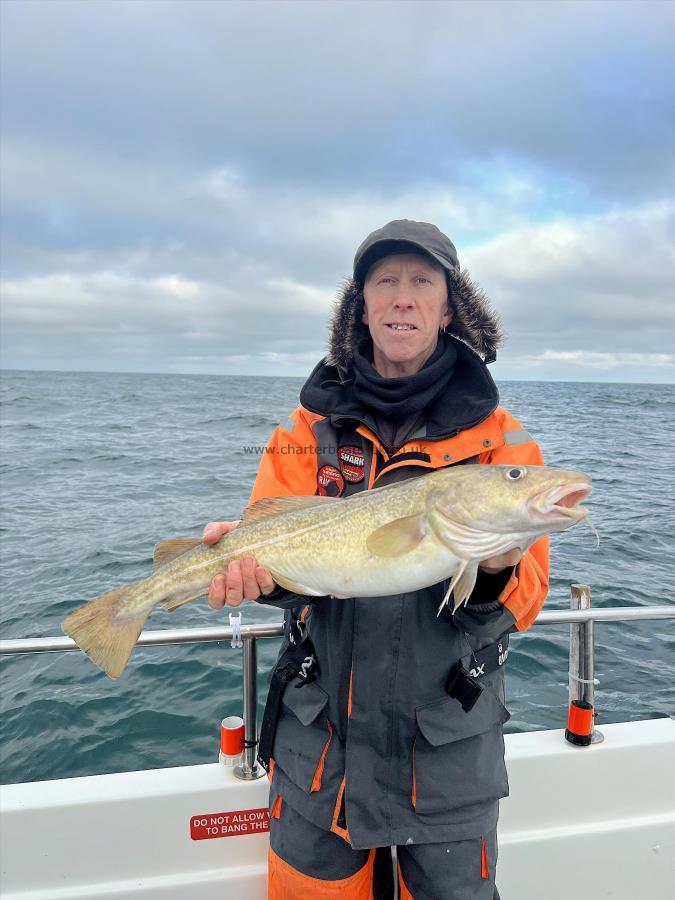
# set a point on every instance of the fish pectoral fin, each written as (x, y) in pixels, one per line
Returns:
(461, 586)
(171, 604)
(166, 551)
(274, 506)
(104, 633)
(397, 537)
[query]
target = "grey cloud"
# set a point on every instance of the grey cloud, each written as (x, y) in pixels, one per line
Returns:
(245, 149)
(352, 92)
(214, 221)
(574, 292)
(122, 322)
(587, 286)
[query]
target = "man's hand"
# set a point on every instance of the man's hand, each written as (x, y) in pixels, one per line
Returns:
(495, 564)
(245, 580)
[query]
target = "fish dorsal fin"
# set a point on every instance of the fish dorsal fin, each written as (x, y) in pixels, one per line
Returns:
(397, 537)
(274, 506)
(166, 551)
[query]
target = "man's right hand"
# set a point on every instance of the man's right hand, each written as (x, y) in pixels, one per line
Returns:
(245, 580)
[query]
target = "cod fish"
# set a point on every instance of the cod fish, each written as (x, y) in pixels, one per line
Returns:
(388, 540)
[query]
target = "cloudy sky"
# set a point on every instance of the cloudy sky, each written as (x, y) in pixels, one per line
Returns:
(184, 183)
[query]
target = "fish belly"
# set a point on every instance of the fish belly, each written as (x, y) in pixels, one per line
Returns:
(360, 574)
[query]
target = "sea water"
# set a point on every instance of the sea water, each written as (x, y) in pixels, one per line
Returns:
(96, 468)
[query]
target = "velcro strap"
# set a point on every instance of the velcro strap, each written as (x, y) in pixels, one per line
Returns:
(297, 660)
(463, 687)
(487, 660)
(463, 683)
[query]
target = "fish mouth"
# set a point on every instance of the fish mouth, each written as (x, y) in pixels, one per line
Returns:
(562, 501)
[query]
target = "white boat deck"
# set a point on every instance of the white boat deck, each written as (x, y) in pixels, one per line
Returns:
(586, 823)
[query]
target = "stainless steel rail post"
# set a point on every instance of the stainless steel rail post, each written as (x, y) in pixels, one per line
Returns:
(249, 769)
(580, 724)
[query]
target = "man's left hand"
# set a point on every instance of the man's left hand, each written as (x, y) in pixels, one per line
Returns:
(495, 564)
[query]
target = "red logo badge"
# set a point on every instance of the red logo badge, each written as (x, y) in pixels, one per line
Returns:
(330, 481)
(352, 463)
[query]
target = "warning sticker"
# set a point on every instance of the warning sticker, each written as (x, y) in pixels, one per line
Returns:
(229, 824)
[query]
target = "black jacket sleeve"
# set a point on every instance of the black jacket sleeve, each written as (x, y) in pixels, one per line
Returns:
(283, 599)
(484, 615)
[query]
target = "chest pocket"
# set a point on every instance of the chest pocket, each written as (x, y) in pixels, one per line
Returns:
(303, 733)
(458, 756)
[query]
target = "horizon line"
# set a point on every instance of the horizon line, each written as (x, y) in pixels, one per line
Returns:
(300, 377)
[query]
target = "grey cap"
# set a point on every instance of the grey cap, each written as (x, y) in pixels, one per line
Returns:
(405, 236)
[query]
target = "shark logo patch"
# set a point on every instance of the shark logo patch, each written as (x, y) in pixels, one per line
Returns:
(352, 463)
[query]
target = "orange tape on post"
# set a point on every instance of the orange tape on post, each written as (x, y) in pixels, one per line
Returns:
(231, 740)
(580, 723)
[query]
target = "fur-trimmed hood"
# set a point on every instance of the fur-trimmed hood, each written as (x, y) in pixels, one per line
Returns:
(473, 322)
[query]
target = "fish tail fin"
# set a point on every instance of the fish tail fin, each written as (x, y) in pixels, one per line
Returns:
(106, 633)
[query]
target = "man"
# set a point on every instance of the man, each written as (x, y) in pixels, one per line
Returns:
(395, 738)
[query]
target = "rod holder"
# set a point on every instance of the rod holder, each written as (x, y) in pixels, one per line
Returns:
(249, 769)
(580, 729)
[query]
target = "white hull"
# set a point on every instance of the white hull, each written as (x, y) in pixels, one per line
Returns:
(588, 823)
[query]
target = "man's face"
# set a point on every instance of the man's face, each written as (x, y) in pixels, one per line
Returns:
(406, 305)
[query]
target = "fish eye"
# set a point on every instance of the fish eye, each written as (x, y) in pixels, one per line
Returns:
(515, 474)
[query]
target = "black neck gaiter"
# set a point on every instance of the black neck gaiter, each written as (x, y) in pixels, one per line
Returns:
(395, 399)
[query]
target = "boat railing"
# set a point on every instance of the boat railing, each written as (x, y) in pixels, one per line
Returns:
(581, 618)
